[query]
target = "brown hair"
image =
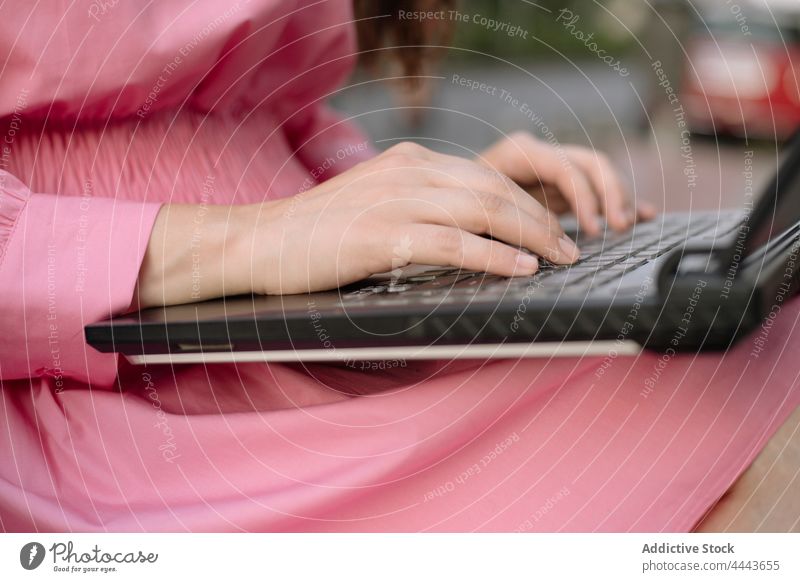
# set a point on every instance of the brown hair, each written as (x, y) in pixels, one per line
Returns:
(413, 42)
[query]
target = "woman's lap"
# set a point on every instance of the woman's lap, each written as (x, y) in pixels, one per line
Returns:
(574, 444)
(766, 497)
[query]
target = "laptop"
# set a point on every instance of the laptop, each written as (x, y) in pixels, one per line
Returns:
(683, 282)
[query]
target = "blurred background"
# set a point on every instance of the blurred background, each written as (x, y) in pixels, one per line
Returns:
(690, 98)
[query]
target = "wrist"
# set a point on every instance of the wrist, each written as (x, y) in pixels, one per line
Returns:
(255, 247)
(240, 245)
(196, 252)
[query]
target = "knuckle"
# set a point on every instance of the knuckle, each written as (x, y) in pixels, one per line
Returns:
(569, 183)
(448, 241)
(603, 164)
(492, 204)
(520, 135)
(485, 172)
(395, 159)
(564, 183)
(553, 224)
(497, 180)
(404, 159)
(602, 159)
(381, 161)
(407, 148)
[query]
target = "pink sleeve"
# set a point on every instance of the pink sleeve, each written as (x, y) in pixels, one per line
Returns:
(327, 143)
(65, 262)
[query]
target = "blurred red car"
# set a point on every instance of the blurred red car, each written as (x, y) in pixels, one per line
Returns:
(742, 72)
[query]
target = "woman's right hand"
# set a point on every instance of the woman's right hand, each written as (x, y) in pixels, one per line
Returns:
(406, 205)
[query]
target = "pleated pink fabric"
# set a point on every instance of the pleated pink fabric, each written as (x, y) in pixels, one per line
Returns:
(110, 110)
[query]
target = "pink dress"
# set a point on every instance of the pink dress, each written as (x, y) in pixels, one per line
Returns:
(110, 109)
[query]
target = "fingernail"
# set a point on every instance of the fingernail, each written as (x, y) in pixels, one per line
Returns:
(526, 263)
(647, 212)
(569, 248)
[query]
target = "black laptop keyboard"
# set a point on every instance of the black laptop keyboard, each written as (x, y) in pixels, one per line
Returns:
(603, 261)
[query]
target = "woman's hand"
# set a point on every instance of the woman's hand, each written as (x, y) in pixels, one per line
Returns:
(564, 178)
(407, 205)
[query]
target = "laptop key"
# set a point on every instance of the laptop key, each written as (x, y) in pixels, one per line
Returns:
(443, 282)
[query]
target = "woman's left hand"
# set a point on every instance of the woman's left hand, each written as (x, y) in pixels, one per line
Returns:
(564, 178)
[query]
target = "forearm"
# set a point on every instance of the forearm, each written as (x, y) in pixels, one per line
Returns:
(196, 252)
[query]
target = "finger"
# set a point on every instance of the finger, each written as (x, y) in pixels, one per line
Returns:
(575, 188)
(550, 165)
(476, 178)
(549, 197)
(642, 212)
(645, 211)
(446, 246)
(606, 184)
(453, 171)
(488, 213)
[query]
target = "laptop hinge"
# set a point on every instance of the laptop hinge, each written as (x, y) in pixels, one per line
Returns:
(698, 260)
